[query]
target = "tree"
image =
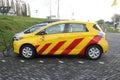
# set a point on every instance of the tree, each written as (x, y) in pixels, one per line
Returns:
(24, 9)
(7, 2)
(116, 18)
(100, 22)
(18, 8)
(28, 10)
(21, 8)
(12, 4)
(2, 3)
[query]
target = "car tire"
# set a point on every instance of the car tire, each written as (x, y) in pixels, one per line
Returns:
(28, 51)
(93, 52)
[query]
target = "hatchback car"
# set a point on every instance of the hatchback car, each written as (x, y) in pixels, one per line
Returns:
(61, 38)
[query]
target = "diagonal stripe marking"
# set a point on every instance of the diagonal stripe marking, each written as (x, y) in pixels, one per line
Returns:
(37, 46)
(56, 47)
(44, 48)
(95, 40)
(71, 46)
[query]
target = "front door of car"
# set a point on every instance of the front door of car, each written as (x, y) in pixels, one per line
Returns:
(51, 40)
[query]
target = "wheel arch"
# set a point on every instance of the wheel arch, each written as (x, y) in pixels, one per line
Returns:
(83, 52)
(92, 45)
(27, 44)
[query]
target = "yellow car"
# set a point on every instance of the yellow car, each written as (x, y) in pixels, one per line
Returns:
(61, 38)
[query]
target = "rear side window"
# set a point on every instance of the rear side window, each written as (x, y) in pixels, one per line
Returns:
(78, 28)
(97, 27)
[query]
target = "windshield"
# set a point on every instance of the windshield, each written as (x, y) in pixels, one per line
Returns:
(34, 28)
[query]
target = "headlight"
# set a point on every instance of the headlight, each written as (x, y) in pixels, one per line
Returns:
(17, 38)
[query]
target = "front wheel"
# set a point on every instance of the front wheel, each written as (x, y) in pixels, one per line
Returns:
(93, 52)
(28, 51)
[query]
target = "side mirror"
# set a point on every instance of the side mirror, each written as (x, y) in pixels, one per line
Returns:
(41, 33)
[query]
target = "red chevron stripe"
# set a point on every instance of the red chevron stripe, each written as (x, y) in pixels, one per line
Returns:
(71, 46)
(95, 40)
(44, 48)
(56, 47)
(37, 46)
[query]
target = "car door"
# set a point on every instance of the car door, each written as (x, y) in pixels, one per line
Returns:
(76, 38)
(51, 40)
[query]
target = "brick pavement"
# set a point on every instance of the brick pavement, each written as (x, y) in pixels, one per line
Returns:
(64, 68)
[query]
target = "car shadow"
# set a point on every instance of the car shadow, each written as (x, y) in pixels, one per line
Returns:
(60, 57)
(52, 57)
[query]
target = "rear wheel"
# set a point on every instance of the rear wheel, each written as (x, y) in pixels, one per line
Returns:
(93, 52)
(27, 51)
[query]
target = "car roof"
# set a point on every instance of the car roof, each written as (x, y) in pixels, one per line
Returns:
(54, 21)
(50, 21)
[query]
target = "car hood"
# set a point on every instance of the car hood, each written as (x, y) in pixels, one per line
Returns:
(19, 34)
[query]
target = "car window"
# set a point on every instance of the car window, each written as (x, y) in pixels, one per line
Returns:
(55, 29)
(97, 27)
(78, 28)
(66, 28)
(34, 28)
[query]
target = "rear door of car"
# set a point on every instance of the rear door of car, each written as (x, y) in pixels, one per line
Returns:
(76, 38)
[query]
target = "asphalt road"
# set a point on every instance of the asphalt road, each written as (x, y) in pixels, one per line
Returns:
(64, 68)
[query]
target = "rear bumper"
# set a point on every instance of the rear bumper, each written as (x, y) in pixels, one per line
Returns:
(104, 44)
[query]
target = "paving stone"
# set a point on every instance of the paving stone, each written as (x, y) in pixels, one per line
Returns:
(64, 68)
